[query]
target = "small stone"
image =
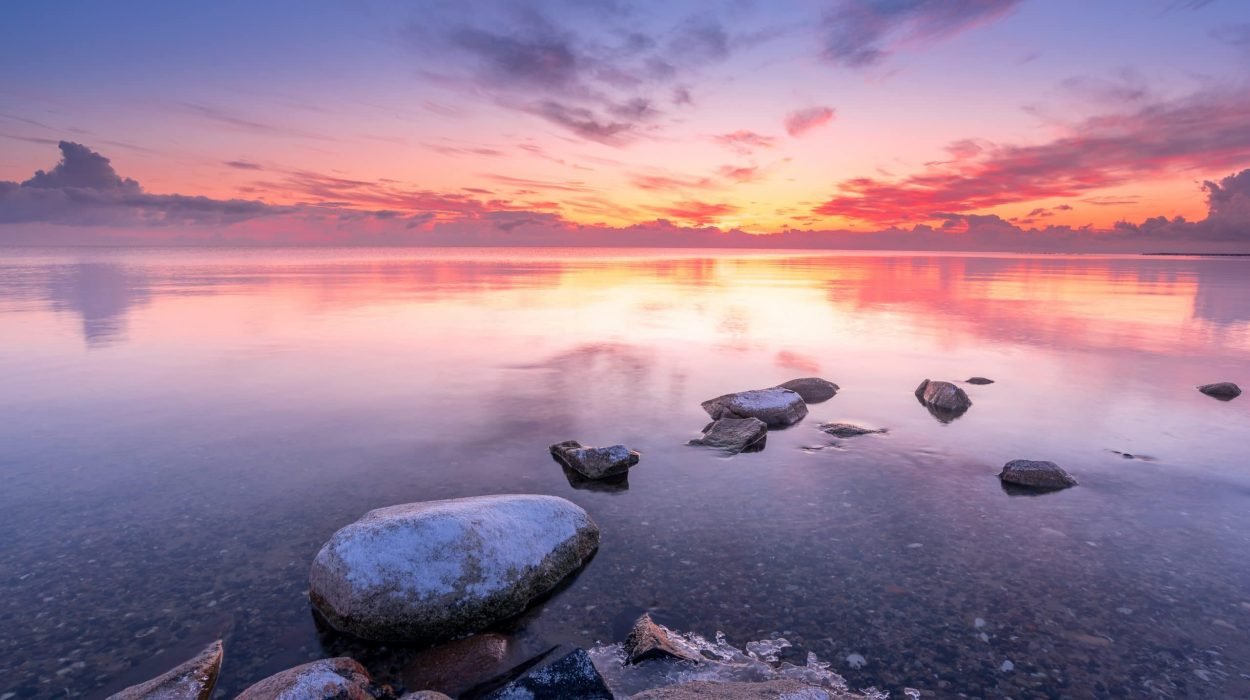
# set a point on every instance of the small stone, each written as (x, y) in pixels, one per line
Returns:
(648, 640)
(594, 462)
(945, 401)
(560, 672)
(978, 623)
(1007, 666)
(1034, 474)
(856, 660)
(734, 435)
(980, 381)
(326, 679)
(812, 389)
(1221, 390)
(193, 680)
(848, 430)
(425, 695)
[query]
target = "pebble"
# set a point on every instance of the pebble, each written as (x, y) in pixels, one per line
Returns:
(1007, 666)
(856, 660)
(978, 623)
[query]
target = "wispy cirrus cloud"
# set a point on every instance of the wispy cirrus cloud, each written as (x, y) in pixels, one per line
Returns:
(744, 141)
(1204, 132)
(861, 33)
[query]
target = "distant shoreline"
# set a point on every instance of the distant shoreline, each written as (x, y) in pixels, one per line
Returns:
(1206, 255)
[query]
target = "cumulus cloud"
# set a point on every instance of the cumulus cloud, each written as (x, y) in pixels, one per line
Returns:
(801, 121)
(859, 33)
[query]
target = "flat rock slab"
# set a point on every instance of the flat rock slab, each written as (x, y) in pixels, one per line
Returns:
(734, 435)
(980, 381)
(561, 673)
(1039, 475)
(812, 389)
(943, 399)
(1221, 390)
(762, 690)
(327, 679)
(193, 680)
(777, 407)
(594, 462)
(648, 640)
(848, 430)
(443, 569)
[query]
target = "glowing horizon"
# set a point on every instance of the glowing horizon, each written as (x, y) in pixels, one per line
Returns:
(1014, 124)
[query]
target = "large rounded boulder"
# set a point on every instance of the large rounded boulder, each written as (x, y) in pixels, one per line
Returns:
(777, 407)
(442, 569)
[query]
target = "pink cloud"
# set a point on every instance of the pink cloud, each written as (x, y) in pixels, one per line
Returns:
(801, 121)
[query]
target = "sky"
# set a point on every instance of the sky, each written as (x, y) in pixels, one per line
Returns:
(997, 124)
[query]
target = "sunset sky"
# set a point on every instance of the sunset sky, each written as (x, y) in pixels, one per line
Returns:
(1073, 123)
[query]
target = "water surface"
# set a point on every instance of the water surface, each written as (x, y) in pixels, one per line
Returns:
(182, 429)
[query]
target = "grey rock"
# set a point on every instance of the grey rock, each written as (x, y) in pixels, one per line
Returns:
(812, 389)
(944, 400)
(777, 407)
(425, 695)
(193, 680)
(734, 435)
(460, 664)
(848, 430)
(787, 689)
(594, 462)
(443, 569)
(1036, 475)
(561, 673)
(648, 640)
(326, 679)
(980, 381)
(1221, 390)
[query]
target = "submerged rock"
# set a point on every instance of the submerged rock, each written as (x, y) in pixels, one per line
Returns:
(944, 400)
(460, 664)
(193, 680)
(777, 407)
(759, 690)
(1221, 390)
(441, 569)
(648, 640)
(326, 679)
(812, 389)
(425, 695)
(1036, 475)
(848, 430)
(980, 381)
(734, 435)
(594, 462)
(559, 673)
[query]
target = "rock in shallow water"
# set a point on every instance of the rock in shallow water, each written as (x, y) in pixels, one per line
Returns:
(441, 569)
(326, 679)
(734, 435)
(1221, 390)
(980, 381)
(848, 430)
(193, 680)
(648, 640)
(594, 462)
(1036, 475)
(560, 673)
(777, 407)
(945, 400)
(761, 690)
(811, 389)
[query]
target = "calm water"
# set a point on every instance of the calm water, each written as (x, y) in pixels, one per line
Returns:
(180, 430)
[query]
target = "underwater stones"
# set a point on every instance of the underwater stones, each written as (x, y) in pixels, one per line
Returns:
(425, 695)
(460, 664)
(812, 389)
(787, 689)
(193, 680)
(648, 640)
(325, 679)
(1225, 391)
(594, 462)
(560, 672)
(1040, 475)
(734, 435)
(777, 407)
(442, 569)
(980, 381)
(848, 430)
(944, 400)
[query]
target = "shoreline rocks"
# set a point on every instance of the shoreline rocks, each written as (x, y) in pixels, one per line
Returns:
(648, 640)
(594, 462)
(777, 407)
(812, 389)
(442, 569)
(848, 430)
(560, 672)
(191, 680)
(734, 435)
(944, 400)
(324, 679)
(1038, 475)
(786, 689)
(1225, 391)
